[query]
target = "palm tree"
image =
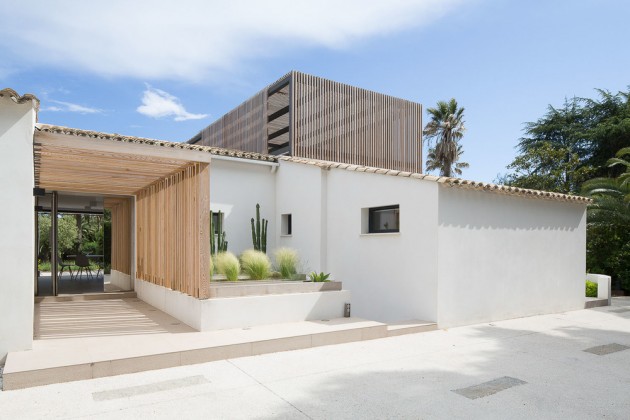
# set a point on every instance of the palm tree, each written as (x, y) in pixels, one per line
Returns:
(611, 198)
(608, 247)
(446, 128)
(433, 163)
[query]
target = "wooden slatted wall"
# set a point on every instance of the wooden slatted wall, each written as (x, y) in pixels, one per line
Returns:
(336, 122)
(244, 128)
(121, 233)
(173, 232)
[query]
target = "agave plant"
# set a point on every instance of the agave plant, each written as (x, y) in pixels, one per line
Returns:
(321, 277)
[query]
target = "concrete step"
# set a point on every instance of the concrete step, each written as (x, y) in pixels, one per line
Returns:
(86, 296)
(595, 302)
(410, 327)
(71, 359)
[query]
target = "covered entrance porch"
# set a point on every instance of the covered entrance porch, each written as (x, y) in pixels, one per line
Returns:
(156, 192)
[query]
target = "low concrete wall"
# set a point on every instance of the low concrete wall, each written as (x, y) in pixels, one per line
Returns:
(603, 286)
(121, 280)
(247, 311)
(261, 288)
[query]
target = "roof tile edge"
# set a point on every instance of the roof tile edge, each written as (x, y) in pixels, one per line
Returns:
(446, 181)
(55, 129)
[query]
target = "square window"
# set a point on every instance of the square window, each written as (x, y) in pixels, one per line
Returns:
(384, 219)
(286, 225)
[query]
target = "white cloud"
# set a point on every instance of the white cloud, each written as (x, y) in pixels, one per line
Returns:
(70, 107)
(195, 39)
(159, 104)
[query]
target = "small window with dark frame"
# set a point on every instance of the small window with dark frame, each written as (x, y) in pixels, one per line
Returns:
(384, 219)
(286, 225)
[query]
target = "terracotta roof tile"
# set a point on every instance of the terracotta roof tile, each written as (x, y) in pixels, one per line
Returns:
(158, 143)
(446, 181)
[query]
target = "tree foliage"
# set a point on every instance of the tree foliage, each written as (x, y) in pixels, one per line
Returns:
(445, 129)
(67, 234)
(608, 247)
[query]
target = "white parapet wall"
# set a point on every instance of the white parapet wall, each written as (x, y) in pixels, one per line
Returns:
(17, 225)
(246, 311)
(603, 286)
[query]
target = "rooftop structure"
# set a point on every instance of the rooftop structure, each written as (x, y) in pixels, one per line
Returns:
(311, 117)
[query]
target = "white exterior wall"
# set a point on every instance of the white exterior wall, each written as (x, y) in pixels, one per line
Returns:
(301, 192)
(235, 188)
(392, 276)
(504, 257)
(17, 247)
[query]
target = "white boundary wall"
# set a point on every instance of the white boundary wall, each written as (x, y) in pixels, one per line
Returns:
(17, 242)
(504, 257)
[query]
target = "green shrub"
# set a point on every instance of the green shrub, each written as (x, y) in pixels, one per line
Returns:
(287, 260)
(321, 277)
(591, 289)
(256, 264)
(211, 268)
(227, 264)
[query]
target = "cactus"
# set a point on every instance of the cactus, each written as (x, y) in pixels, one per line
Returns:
(259, 232)
(221, 244)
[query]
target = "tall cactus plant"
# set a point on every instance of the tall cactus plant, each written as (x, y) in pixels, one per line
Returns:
(259, 232)
(221, 244)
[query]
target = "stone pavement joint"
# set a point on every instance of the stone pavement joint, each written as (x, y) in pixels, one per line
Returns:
(606, 349)
(489, 388)
(132, 391)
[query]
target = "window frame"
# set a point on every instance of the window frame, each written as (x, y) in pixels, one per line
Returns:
(372, 210)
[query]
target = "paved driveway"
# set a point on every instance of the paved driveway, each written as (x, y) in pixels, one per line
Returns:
(526, 368)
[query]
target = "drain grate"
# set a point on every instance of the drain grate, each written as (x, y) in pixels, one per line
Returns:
(606, 349)
(489, 388)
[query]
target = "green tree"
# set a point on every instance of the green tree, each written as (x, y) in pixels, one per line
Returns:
(572, 144)
(550, 168)
(67, 234)
(608, 245)
(445, 129)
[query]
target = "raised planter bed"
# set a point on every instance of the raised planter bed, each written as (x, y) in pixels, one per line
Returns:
(268, 287)
(249, 303)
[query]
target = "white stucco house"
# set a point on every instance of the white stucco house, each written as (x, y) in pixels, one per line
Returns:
(406, 245)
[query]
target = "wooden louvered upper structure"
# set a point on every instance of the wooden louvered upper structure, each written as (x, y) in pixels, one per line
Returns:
(310, 117)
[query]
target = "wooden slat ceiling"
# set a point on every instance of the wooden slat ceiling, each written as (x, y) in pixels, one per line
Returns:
(82, 169)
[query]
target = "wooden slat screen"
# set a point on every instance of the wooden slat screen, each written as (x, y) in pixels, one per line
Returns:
(173, 232)
(341, 123)
(121, 234)
(244, 128)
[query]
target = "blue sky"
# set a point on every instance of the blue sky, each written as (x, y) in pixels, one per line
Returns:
(165, 70)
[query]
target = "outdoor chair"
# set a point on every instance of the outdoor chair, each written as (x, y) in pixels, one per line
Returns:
(63, 265)
(84, 266)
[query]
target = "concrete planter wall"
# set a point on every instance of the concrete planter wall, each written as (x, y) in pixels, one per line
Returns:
(260, 288)
(322, 301)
